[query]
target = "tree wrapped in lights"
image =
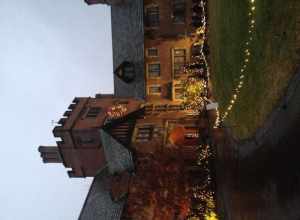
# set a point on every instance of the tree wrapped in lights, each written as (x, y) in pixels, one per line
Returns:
(203, 201)
(194, 91)
(195, 94)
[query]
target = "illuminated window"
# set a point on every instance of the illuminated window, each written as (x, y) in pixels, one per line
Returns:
(146, 132)
(179, 61)
(153, 70)
(93, 112)
(155, 90)
(152, 52)
(192, 132)
(178, 11)
(178, 91)
(152, 16)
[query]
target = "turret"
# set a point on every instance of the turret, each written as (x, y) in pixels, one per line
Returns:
(80, 146)
(50, 154)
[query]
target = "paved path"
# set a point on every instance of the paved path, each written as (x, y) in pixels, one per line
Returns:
(260, 179)
(277, 125)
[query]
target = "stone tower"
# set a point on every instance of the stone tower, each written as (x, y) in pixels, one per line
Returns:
(87, 126)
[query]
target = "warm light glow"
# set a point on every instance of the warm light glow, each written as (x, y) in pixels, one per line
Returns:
(116, 111)
(211, 216)
(195, 95)
(236, 90)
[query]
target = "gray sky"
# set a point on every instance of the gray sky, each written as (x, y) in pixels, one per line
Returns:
(50, 51)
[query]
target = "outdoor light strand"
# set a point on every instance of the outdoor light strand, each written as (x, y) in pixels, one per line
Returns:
(246, 60)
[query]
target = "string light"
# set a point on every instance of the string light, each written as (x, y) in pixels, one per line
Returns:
(196, 100)
(116, 111)
(202, 193)
(247, 55)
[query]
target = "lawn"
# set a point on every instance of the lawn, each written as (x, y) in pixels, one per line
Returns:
(272, 62)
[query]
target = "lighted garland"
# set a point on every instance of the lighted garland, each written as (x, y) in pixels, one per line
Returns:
(195, 88)
(195, 94)
(246, 60)
(203, 193)
(116, 111)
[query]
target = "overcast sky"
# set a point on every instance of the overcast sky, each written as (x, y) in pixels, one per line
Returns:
(50, 52)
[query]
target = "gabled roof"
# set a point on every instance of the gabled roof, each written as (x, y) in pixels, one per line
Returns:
(126, 124)
(118, 157)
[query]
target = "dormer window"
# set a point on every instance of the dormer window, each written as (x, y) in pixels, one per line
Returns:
(126, 71)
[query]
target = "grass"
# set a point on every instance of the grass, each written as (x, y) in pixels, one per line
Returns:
(272, 62)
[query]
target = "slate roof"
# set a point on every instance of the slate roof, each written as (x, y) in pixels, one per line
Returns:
(118, 157)
(128, 45)
(98, 204)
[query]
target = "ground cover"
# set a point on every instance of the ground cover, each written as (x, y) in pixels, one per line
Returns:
(272, 62)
